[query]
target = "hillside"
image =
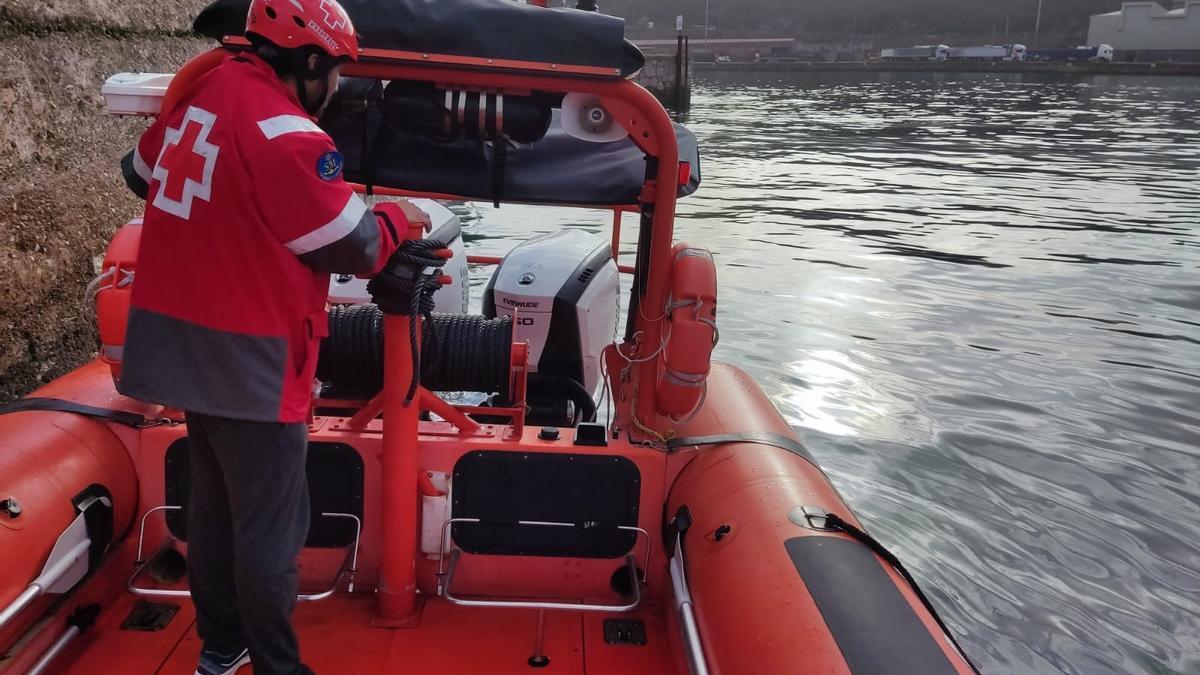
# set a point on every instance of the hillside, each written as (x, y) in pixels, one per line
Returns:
(61, 194)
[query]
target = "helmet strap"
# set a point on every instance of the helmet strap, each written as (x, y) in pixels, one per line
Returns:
(320, 74)
(294, 63)
(312, 107)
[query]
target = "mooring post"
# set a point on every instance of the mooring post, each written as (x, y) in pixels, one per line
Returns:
(679, 75)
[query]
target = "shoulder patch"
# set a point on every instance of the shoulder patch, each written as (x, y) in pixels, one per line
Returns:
(329, 166)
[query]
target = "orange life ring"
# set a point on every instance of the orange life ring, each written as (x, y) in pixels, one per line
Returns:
(692, 312)
(192, 71)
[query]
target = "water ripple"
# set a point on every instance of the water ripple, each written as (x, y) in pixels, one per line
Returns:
(977, 299)
(1008, 393)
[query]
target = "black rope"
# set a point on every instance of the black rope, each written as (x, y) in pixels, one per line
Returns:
(406, 286)
(835, 522)
(351, 358)
(473, 352)
(473, 355)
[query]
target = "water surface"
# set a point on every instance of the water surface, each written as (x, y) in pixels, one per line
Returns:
(978, 299)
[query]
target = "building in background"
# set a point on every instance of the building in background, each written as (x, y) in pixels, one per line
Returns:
(1146, 31)
(784, 49)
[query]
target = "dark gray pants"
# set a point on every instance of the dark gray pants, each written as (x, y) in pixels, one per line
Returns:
(247, 520)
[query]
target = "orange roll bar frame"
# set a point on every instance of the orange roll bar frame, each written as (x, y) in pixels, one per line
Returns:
(650, 127)
(398, 572)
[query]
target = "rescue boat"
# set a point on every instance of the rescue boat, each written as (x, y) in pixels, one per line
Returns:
(551, 497)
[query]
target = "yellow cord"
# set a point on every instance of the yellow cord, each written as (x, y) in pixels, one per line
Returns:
(662, 438)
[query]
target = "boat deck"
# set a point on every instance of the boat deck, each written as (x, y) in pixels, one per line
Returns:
(336, 637)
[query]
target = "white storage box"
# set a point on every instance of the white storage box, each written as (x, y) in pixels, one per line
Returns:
(135, 93)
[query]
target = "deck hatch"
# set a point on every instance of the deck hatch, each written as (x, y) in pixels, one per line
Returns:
(335, 484)
(598, 492)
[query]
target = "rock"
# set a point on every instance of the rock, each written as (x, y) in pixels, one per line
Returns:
(61, 192)
(174, 15)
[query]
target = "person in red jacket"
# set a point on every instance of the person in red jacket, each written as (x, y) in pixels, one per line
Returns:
(246, 217)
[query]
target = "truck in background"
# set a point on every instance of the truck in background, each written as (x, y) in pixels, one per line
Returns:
(917, 53)
(1097, 53)
(988, 53)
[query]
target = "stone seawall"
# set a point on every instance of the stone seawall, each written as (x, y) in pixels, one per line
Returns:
(1075, 68)
(61, 193)
(659, 78)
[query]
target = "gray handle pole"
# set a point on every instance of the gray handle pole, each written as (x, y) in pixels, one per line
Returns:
(33, 592)
(539, 658)
(59, 645)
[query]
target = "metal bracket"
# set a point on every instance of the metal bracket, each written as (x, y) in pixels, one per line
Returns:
(811, 517)
(348, 567)
(66, 566)
(446, 575)
(11, 507)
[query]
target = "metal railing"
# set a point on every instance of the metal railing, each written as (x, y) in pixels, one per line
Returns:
(687, 617)
(349, 565)
(446, 574)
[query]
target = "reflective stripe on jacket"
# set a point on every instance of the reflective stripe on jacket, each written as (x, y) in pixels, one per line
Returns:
(247, 214)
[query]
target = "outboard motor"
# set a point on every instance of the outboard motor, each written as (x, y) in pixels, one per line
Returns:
(561, 292)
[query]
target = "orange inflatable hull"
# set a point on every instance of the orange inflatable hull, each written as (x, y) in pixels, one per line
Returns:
(47, 459)
(769, 591)
(772, 593)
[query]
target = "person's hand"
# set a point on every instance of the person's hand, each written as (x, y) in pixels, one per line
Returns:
(414, 214)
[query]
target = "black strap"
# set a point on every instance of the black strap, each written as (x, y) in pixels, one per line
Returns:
(499, 166)
(372, 148)
(59, 405)
(760, 437)
(833, 521)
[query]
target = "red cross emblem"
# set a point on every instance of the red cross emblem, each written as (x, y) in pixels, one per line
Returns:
(335, 16)
(185, 166)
